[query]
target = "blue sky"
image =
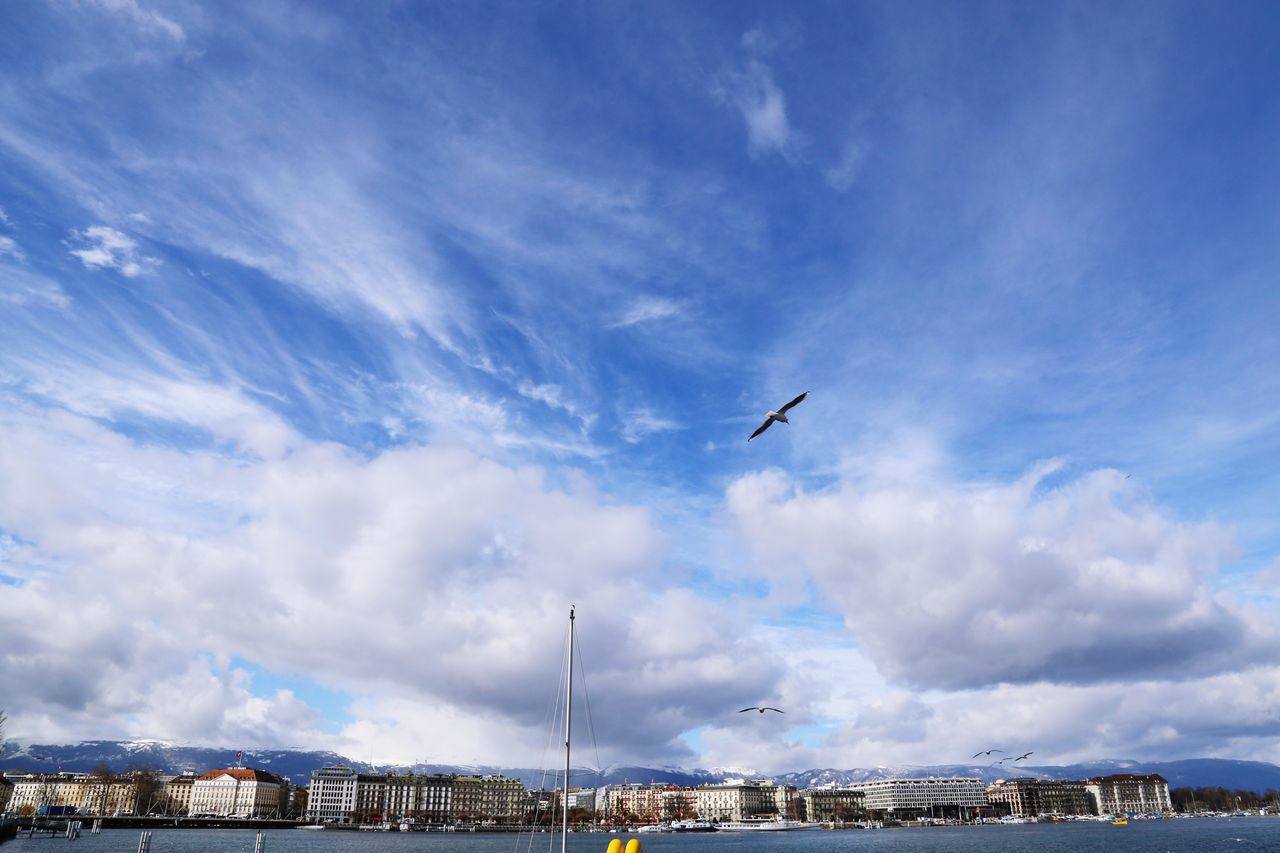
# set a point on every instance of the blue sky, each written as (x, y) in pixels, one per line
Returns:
(340, 352)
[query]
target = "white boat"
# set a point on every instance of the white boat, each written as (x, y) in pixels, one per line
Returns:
(766, 825)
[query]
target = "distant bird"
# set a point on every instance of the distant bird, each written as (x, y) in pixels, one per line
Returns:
(987, 752)
(761, 710)
(1024, 755)
(780, 415)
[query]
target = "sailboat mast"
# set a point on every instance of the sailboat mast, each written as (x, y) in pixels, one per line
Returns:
(568, 722)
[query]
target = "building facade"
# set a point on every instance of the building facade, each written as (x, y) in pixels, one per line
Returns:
(1034, 797)
(175, 793)
(89, 793)
(331, 795)
(236, 792)
(915, 797)
(371, 797)
(428, 799)
(1125, 793)
(633, 803)
(741, 800)
(833, 804)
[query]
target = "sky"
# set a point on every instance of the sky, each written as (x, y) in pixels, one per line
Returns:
(343, 349)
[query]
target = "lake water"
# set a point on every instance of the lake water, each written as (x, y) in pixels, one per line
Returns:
(1156, 836)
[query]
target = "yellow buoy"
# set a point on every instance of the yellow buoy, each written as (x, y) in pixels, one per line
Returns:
(633, 846)
(615, 846)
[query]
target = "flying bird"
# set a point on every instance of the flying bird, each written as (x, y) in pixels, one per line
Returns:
(780, 415)
(987, 752)
(1024, 755)
(761, 710)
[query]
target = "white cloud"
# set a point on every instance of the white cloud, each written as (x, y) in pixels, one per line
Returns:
(146, 20)
(763, 106)
(107, 248)
(639, 424)
(21, 286)
(10, 247)
(954, 586)
(844, 173)
(647, 309)
(554, 396)
(450, 573)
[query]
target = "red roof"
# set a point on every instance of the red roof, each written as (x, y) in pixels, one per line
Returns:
(243, 774)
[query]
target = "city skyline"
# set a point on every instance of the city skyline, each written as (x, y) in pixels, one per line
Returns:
(341, 353)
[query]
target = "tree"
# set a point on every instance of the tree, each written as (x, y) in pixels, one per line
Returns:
(2, 719)
(102, 779)
(148, 791)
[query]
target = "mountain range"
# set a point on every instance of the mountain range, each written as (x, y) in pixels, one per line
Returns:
(296, 766)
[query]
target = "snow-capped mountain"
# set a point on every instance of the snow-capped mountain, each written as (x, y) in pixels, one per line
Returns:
(296, 766)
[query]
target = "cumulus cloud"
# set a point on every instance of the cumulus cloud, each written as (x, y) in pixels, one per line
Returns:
(103, 247)
(450, 573)
(1224, 715)
(960, 586)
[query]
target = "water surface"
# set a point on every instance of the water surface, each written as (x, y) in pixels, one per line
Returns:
(1188, 836)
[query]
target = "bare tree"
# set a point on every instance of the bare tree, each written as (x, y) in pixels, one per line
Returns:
(147, 790)
(102, 779)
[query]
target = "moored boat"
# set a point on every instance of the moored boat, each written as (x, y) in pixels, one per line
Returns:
(765, 825)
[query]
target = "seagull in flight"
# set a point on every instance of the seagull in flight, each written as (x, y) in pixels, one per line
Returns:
(761, 710)
(987, 752)
(1024, 755)
(780, 415)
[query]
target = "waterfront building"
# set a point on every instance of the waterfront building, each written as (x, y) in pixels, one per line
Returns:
(633, 802)
(236, 792)
(371, 797)
(331, 795)
(582, 798)
(495, 799)
(297, 802)
(833, 804)
(423, 798)
(1034, 797)
(909, 798)
(175, 793)
(92, 794)
(679, 803)
(6, 793)
(107, 794)
(1125, 793)
(740, 800)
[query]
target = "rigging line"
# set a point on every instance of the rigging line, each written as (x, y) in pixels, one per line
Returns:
(591, 725)
(551, 720)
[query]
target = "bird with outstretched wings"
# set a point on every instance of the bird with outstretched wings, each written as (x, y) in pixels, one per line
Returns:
(760, 709)
(779, 416)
